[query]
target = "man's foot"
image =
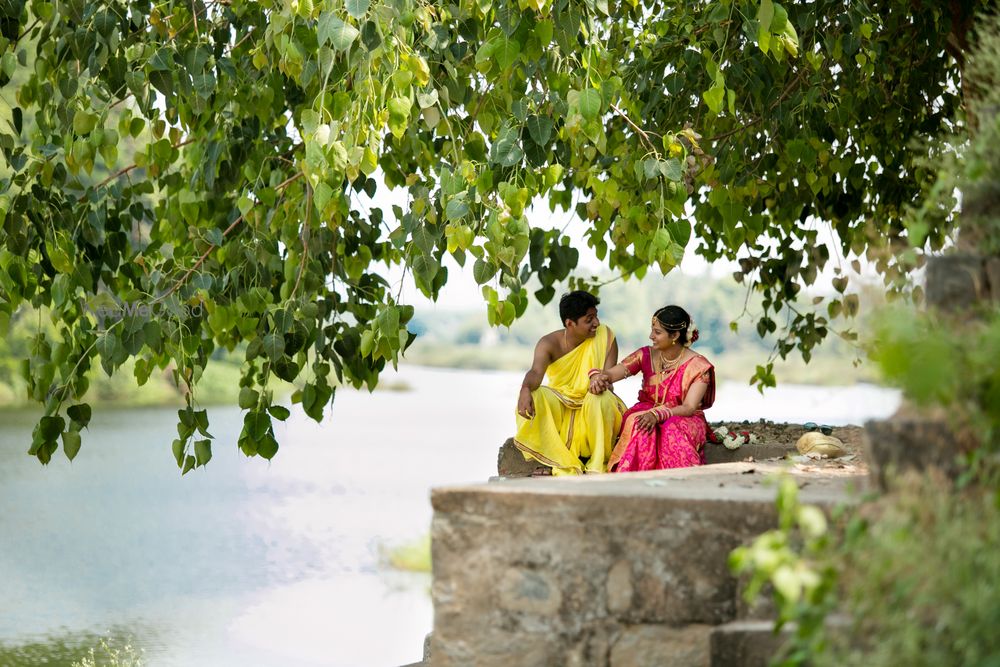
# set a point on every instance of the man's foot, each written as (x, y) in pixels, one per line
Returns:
(542, 471)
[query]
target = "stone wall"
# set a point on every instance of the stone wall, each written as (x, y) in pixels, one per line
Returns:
(601, 571)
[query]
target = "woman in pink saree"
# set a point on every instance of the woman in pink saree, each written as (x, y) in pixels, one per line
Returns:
(667, 427)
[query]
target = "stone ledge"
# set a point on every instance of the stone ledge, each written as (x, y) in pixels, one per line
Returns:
(511, 463)
(740, 481)
(557, 571)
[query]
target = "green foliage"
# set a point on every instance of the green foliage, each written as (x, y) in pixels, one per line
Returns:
(913, 576)
(117, 648)
(916, 573)
(950, 360)
(238, 216)
(942, 362)
(718, 306)
(922, 582)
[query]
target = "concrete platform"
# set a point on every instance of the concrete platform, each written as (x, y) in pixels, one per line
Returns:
(600, 570)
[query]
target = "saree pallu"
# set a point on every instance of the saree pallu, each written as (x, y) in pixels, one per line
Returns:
(570, 423)
(676, 442)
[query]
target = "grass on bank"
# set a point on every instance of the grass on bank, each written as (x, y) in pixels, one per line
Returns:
(414, 556)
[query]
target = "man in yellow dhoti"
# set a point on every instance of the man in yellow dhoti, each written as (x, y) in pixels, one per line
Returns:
(563, 425)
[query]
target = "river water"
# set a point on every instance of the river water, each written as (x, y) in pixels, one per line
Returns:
(281, 563)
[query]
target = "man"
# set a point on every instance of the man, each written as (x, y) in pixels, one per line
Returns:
(565, 426)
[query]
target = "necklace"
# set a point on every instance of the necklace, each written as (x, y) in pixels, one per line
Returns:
(669, 364)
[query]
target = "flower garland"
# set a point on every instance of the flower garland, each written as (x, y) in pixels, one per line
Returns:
(734, 439)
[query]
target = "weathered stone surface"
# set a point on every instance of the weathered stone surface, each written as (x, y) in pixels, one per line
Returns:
(662, 646)
(770, 450)
(900, 444)
(511, 462)
(555, 571)
(744, 644)
(956, 281)
(620, 589)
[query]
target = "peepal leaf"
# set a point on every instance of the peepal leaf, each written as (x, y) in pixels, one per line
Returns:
(333, 31)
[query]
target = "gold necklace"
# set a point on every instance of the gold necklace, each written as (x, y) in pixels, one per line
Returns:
(671, 364)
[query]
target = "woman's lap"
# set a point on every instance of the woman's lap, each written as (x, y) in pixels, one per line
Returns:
(675, 443)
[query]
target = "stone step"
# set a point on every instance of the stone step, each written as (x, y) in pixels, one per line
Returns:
(745, 644)
(599, 570)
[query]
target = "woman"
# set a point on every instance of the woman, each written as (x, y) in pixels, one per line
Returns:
(667, 427)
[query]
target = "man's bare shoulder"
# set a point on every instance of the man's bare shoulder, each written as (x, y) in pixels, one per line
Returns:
(551, 343)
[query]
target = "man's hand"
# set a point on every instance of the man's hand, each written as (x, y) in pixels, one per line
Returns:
(525, 404)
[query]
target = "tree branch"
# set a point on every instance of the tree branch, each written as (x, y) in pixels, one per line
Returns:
(750, 123)
(183, 279)
(642, 134)
(305, 240)
(121, 172)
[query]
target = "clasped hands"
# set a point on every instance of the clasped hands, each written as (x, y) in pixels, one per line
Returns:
(600, 382)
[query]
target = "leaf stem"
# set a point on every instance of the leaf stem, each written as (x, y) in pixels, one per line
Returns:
(642, 133)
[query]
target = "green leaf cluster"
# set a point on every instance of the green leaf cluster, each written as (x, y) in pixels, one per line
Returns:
(214, 165)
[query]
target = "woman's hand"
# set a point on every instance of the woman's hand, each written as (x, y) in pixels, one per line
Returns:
(647, 421)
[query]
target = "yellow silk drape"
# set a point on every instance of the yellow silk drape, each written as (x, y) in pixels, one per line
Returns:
(569, 421)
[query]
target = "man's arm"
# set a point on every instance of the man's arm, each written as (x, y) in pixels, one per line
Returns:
(533, 378)
(612, 359)
(599, 383)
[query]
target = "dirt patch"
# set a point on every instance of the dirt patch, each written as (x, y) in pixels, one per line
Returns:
(781, 433)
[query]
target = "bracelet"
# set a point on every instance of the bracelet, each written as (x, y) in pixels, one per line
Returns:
(662, 413)
(593, 371)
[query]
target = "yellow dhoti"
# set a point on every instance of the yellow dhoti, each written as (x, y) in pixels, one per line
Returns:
(570, 423)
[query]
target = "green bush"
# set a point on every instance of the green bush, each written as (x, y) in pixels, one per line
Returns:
(921, 584)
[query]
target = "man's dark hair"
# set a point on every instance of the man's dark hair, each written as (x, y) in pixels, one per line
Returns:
(575, 305)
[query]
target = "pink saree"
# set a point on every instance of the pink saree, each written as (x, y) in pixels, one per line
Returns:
(676, 442)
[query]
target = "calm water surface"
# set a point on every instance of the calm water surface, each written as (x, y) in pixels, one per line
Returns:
(280, 563)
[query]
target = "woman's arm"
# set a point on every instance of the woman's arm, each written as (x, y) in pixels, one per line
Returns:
(601, 380)
(692, 401)
(650, 418)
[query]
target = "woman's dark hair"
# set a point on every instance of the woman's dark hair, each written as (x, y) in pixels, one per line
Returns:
(675, 318)
(575, 305)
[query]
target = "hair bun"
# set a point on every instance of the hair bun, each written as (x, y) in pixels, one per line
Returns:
(694, 335)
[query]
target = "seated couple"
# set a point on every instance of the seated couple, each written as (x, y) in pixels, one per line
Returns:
(576, 423)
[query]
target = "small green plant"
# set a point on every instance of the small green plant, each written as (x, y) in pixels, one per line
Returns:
(413, 556)
(107, 655)
(794, 560)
